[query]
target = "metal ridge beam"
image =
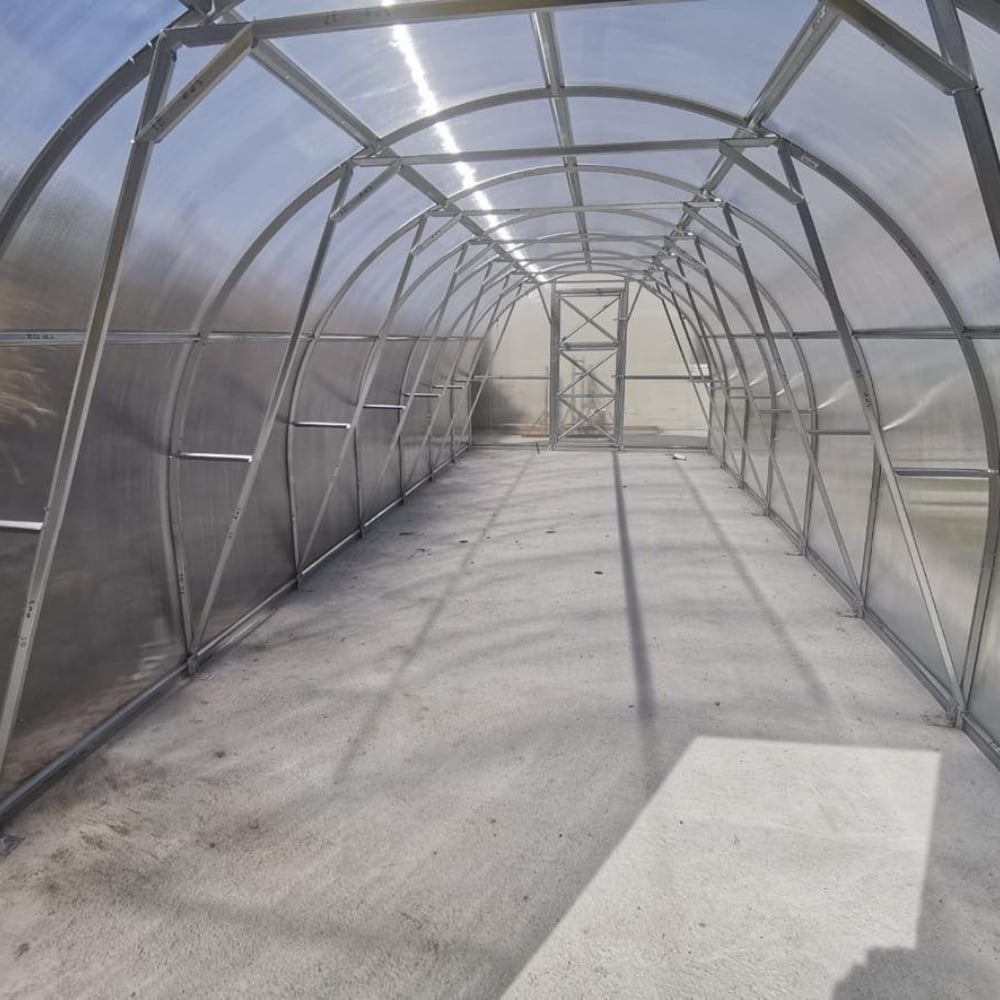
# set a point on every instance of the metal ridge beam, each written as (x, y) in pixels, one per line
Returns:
(549, 152)
(360, 18)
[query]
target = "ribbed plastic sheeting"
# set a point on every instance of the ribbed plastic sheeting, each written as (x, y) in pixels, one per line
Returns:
(253, 257)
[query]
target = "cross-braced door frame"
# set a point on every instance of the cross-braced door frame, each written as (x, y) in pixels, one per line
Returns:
(604, 311)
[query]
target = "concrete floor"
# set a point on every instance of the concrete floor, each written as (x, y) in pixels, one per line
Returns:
(565, 725)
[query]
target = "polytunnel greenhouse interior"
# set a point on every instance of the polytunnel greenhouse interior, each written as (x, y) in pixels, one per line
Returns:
(500, 498)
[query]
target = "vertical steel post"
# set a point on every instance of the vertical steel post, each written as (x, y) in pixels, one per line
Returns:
(555, 335)
(979, 138)
(622, 333)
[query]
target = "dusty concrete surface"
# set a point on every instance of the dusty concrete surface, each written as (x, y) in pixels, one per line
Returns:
(538, 735)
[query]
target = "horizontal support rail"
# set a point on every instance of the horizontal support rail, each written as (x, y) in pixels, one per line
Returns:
(842, 432)
(667, 378)
(213, 456)
(336, 424)
(384, 406)
(329, 21)
(29, 527)
(916, 472)
(558, 152)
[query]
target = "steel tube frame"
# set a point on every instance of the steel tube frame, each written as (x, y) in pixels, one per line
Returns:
(825, 171)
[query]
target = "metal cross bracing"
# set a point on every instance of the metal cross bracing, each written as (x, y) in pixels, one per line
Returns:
(586, 393)
(950, 72)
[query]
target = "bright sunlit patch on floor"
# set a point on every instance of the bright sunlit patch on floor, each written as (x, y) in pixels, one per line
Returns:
(754, 862)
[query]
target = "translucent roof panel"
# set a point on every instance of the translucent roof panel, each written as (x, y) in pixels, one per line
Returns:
(682, 173)
(360, 234)
(45, 53)
(899, 138)
(912, 17)
(522, 192)
(515, 125)
(50, 266)
(214, 182)
(391, 76)
(453, 178)
(608, 119)
(679, 48)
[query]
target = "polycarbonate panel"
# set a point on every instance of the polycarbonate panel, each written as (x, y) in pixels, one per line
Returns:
(49, 63)
(633, 222)
(794, 466)
(949, 520)
(228, 397)
(360, 233)
(911, 17)
(780, 276)
(550, 223)
(608, 119)
(421, 312)
(108, 627)
(927, 404)
(391, 76)
(878, 284)
(415, 442)
(522, 124)
(606, 185)
(731, 288)
(523, 192)
(524, 349)
(845, 463)
(472, 300)
(897, 137)
(444, 362)
(364, 306)
(268, 296)
(453, 178)
(461, 401)
(376, 428)
(212, 185)
(35, 383)
(758, 436)
(329, 393)
(893, 593)
(680, 48)
(715, 433)
(837, 404)
(49, 271)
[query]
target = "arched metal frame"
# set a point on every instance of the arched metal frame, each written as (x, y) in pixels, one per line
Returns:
(952, 73)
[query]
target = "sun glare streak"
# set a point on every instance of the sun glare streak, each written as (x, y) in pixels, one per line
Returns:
(402, 40)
